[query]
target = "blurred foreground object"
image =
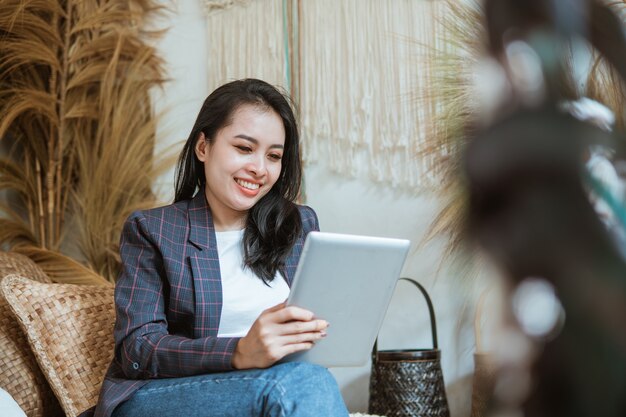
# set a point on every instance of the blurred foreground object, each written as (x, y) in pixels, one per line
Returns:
(530, 211)
(606, 188)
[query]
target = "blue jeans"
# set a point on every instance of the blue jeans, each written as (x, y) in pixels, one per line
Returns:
(294, 389)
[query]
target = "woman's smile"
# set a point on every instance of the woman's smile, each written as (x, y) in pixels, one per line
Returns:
(247, 184)
(248, 188)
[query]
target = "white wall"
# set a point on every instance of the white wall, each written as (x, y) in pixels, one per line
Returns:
(343, 205)
(184, 49)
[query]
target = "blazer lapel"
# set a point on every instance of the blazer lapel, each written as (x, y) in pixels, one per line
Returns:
(205, 268)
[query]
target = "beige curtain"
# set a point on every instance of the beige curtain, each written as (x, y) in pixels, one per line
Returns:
(357, 69)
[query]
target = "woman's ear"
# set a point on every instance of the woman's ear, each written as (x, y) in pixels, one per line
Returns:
(202, 147)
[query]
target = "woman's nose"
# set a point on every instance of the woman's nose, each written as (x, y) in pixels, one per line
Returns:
(256, 165)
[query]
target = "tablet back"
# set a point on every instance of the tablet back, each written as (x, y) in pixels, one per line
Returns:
(347, 280)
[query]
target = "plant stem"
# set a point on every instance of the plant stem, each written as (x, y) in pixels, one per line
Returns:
(52, 149)
(28, 199)
(42, 230)
(62, 127)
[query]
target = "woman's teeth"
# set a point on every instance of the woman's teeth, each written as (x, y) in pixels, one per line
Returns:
(248, 185)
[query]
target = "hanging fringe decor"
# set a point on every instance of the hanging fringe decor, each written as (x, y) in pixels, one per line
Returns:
(246, 40)
(356, 68)
(365, 66)
(215, 5)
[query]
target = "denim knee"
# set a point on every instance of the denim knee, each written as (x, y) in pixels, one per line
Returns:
(298, 379)
(303, 373)
(304, 389)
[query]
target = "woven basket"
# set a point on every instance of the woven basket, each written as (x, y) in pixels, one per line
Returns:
(407, 383)
(20, 374)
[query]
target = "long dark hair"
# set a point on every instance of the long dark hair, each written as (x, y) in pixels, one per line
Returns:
(273, 224)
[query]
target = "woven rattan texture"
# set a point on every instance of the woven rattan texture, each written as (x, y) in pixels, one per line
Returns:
(70, 330)
(482, 383)
(20, 375)
(408, 389)
(14, 263)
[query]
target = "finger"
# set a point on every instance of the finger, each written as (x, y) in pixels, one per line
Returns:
(310, 337)
(291, 313)
(295, 327)
(295, 347)
(275, 308)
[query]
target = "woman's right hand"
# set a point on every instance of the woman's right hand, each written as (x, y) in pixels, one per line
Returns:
(276, 333)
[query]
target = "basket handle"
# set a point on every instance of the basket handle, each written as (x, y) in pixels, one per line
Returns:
(431, 310)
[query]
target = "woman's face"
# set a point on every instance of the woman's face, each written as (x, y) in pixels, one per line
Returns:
(242, 163)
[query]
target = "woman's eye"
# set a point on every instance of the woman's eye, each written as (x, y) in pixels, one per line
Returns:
(276, 157)
(242, 148)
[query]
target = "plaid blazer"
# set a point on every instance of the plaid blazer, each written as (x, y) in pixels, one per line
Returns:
(168, 299)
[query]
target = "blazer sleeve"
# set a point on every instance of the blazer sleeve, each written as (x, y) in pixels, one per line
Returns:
(143, 347)
(310, 222)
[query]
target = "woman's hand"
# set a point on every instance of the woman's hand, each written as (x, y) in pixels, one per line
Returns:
(279, 331)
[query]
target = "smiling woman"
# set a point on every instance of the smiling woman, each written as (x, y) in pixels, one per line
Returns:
(258, 111)
(201, 319)
(241, 164)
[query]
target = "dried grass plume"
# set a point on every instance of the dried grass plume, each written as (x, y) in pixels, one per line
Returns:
(77, 128)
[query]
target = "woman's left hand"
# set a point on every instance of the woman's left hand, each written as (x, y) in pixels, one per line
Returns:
(276, 333)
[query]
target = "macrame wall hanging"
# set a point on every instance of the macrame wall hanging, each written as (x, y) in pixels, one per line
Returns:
(247, 39)
(357, 70)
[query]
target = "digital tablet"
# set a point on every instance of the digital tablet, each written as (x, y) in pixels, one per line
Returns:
(347, 280)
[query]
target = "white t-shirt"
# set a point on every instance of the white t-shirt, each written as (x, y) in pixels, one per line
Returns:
(244, 295)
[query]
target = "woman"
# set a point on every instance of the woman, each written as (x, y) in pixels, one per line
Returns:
(201, 320)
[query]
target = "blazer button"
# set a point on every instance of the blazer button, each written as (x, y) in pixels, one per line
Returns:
(135, 366)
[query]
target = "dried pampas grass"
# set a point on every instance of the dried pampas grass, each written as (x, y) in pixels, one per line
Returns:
(454, 58)
(78, 129)
(604, 83)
